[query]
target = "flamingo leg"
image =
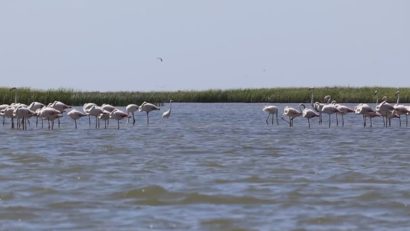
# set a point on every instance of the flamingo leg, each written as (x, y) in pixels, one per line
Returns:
(277, 119)
(118, 124)
(75, 122)
(337, 120)
(320, 117)
(147, 118)
(267, 119)
(329, 120)
(309, 122)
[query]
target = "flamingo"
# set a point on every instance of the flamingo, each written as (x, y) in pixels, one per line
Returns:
(366, 111)
(2, 108)
(291, 113)
(400, 109)
(330, 109)
(319, 106)
(108, 107)
(50, 114)
(118, 115)
(94, 111)
(60, 106)
(131, 108)
(342, 109)
(86, 108)
(167, 113)
(75, 115)
(148, 107)
(22, 113)
(9, 113)
(308, 113)
(36, 106)
(386, 110)
(105, 116)
(272, 111)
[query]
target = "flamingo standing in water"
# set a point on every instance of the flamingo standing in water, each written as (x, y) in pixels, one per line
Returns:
(317, 106)
(386, 110)
(108, 107)
(308, 113)
(272, 111)
(342, 110)
(291, 113)
(118, 115)
(400, 109)
(50, 114)
(75, 115)
(366, 111)
(330, 109)
(131, 108)
(2, 108)
(86, 108)
(148, 107)
(95, 111)
(167, 113)
(60, 106)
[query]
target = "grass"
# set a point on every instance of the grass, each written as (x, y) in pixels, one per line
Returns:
(271, 95)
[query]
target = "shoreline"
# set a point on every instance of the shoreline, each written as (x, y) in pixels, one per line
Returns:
(249, 95)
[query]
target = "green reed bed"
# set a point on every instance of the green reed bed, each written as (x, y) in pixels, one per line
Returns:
(271, 95)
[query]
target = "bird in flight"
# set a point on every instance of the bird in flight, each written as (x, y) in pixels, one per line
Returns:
(160, 59)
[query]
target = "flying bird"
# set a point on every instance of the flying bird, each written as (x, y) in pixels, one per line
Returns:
(160, 59)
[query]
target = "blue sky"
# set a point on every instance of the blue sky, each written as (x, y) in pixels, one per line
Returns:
(213, 44)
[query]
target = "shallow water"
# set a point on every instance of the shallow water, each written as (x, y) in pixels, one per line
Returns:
(209, 167)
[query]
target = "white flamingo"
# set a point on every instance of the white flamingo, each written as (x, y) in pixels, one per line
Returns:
(131, 108)
(94, 111)
(8, 112)
(86, 108)
(330, 109)
(2, 108)
(386, 110)
(317, 106)
(400, 109)
(50, 114)
(342, 110)
(272, 111)
(366, 111)
(167, 113)
(308, 113)
(75, 115)
(22, 114)
(60, 106)
(104, 116)
(148, 107)
(291, 113)
(118, 115)
(35, 105)
(108, 107)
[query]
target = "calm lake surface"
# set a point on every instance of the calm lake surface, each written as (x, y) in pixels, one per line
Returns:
(208, 167)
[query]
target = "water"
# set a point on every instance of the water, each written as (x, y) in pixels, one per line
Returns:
(209, 167)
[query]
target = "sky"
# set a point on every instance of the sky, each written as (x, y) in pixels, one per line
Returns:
(103, 45)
